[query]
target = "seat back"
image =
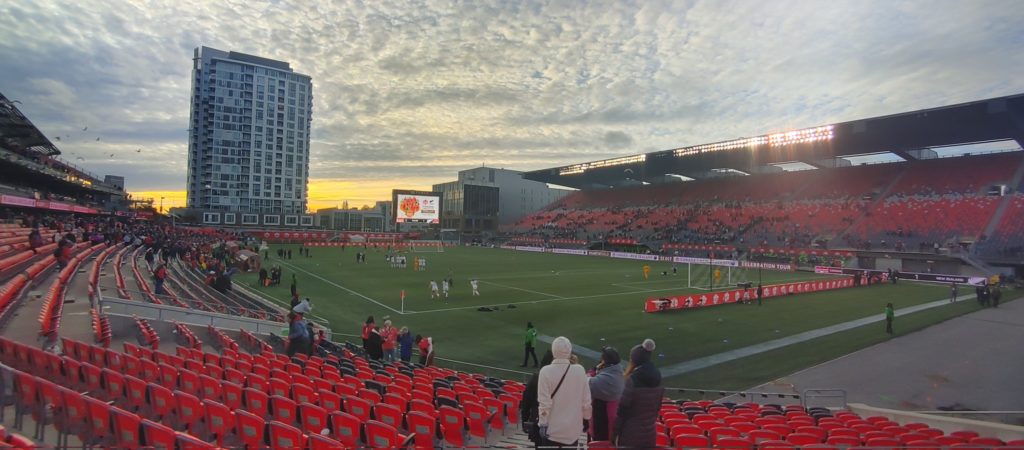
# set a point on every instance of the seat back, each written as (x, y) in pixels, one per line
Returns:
(452, 422)
(189, 409)
(231, 394)
(284, 436)
(219, 420)
(256, 402)
(345, 428)
(157, 436)
(319, 442)
(423, 427)
(313, 418)
(381, 435)
(358, 407)
(282, 409)
(249, 428)
(126, 428)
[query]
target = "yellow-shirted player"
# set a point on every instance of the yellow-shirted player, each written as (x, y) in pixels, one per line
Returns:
(647, 271)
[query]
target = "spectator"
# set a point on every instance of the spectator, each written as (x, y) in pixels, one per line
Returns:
(426, 345)
(367, 327)
(389, 335)
(563, 398)
(35, 239)
(298, 335)
(159, 276)
(640, 402)
(606, 387)
(374, 345)
(263, 277)
(528, 404)
(303, 307)
(405, 344)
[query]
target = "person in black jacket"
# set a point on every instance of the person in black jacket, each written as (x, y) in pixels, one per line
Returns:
(528, 405)
(375, 345)
(640, 402)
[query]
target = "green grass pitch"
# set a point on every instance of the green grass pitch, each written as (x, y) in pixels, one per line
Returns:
(591, 300)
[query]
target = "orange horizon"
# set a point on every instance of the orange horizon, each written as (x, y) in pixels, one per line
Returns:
(322, 193)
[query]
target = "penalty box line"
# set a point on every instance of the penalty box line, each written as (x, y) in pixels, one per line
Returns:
(520, 289)
(299, 269)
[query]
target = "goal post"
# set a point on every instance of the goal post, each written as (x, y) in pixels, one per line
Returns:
(715, 274)
(427, 246)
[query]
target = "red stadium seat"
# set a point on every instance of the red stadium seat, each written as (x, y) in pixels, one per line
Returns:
(249, 428)
(453, 422)
(358, 407)
(691, 441)
(318, 442)
(219, 421)
(126, 428)
(283, 409)
(388, 414)
(380, 435)
(346, 428)
(423, 429)
(313, 418)
(189, 410)
(157, 436)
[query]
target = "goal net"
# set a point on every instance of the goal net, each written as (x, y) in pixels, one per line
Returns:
(426, 246)
(716, 275)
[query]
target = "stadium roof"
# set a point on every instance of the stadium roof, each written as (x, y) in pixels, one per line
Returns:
(906, 136)
(19, 134)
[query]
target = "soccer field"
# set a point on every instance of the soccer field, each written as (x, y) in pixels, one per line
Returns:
(594, 301)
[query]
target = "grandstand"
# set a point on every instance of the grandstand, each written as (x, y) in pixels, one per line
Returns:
(920, 197)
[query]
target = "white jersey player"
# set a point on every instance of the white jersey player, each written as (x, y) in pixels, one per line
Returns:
(444, 288)
(433, 289)
(476, 287)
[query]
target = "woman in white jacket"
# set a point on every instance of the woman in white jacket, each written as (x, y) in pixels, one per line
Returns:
(563, 398)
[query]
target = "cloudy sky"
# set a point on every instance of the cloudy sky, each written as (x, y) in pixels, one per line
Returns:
(407, 93)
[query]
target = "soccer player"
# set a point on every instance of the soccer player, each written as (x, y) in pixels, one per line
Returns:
(444, 288)
(718, 275)
(647, 271)
(476, 287)
(433, 289)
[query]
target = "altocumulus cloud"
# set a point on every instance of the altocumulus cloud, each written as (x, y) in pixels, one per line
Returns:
(424, 88)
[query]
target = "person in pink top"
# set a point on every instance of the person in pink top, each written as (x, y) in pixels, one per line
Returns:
(390, 337)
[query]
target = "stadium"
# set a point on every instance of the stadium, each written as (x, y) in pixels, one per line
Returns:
(758, 284)
(505, 225)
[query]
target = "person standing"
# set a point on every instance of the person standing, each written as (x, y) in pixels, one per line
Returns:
(563, 398)
(389, 335)
(890, 314)
(159, 277)
(426, 345)
(606, 384)
(528, 404)
(997, 294)
(298, 337)
(952, 292)
(476, 287)
(375, 345)
(531, 343)
(367, 327)
(760, 293)
(405, 344)
(640, 402)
